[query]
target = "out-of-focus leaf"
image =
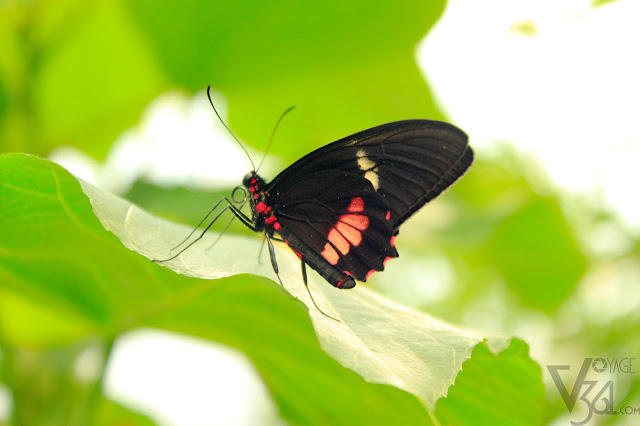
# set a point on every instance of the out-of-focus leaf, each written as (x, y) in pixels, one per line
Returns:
(109, 413)
(4, 102)
(347, 66)
(525, 28)
(95, 83)
(178, 204)
(506, 389)
(598, 3)
(538, 255)
(82, 71)
(494, 184)
(36, 377)
(382, 341)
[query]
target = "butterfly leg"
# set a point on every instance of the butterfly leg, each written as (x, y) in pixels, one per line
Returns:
(237, 213)
(220, 235)
(306, 284)
(215, 206)
(262, 247)
(274, 262)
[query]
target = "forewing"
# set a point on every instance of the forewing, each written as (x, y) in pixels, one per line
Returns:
(407, 162)
(341, 217)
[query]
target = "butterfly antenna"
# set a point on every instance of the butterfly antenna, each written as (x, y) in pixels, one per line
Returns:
(273, 134)
(227, 127)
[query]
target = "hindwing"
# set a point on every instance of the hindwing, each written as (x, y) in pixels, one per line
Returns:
(340, 217)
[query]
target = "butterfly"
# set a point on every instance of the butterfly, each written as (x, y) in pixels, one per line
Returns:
(340, 208)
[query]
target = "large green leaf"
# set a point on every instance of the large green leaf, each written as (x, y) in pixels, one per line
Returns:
(60, 267)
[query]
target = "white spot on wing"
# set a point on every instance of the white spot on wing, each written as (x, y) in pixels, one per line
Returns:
(369, 167)
(364, 162)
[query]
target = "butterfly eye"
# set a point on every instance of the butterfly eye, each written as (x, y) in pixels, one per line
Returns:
(246, 180)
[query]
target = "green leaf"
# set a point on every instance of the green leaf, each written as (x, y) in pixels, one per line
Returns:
(61, 263)
(503, 389)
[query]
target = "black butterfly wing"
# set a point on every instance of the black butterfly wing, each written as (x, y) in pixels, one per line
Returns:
(337, 223)
(407, 162)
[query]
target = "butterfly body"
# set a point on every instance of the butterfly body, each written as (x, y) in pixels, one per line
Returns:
(340, 207)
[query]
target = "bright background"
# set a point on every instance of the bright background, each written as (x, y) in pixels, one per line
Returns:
(539, 240)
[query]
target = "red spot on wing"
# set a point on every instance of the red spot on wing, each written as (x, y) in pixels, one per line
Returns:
(297, 254)
(330, 254)
(388, 216)
(371, 272)
(347, 231)
(384, 262)
(347, 273)
(357, 205)
(336, 238)
(261, 207)
(393, 241)
(357, 221)
(353, 235)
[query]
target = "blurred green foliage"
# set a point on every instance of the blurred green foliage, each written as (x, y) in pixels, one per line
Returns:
(80, 73)
(598, 3)
(547, 264)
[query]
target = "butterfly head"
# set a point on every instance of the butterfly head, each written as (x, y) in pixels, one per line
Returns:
(253, 183)
(246, 180)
